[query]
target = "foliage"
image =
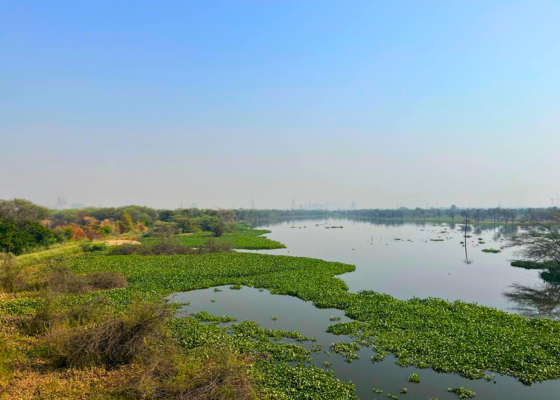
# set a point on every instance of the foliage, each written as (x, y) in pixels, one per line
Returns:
(21, 212)
(494, 251)
(17, 239)
(462, 392)
(243, 239)
(10, 273)
(91, 246)
(116, 341)
(126, 224)
(280, 370)
(414, 378)
(170, 247)
(448, 336)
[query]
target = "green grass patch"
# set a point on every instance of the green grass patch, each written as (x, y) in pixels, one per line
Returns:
(242, 239)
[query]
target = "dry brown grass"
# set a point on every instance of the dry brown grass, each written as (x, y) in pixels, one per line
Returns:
(210, 374)
(116, 341)
(68, 384)
(64, 281)
(11, 278)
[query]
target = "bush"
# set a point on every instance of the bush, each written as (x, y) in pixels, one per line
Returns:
(171, 247)
(91, 246)
(164, 247)
(10, 274)
(114, 342)
(64, 281)
(209, 373)
(215, 246)
(14, 239)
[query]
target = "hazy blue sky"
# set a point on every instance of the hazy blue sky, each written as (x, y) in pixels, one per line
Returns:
(217, 102)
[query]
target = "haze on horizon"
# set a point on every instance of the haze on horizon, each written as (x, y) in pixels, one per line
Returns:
(218, 103)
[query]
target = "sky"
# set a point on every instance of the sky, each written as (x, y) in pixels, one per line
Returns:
(220, 102)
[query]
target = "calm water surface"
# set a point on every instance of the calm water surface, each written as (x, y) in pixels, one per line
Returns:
(403, 261)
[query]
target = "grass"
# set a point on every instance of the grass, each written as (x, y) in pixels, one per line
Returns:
(242, 239)
(58, 251)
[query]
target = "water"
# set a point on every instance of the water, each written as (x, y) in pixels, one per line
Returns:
(414, 266)
(404, 269)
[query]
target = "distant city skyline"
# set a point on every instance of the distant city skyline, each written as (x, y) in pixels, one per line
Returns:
(62, 204)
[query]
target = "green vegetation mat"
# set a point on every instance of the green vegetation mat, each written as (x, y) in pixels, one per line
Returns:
(243, 239)
(451, 337)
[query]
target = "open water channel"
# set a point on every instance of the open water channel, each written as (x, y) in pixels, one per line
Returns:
(405, 261)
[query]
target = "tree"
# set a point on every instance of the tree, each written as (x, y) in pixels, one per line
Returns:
(165, 215)
(42, 236)
(219, 228)
(541, 243)
(21, 212)
(226, 215)
(17, 240)
(126, 224)
(452, 212)
(185, 224)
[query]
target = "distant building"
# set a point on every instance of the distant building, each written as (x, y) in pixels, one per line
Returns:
(76, 206)
(61, 203)
(194, 205)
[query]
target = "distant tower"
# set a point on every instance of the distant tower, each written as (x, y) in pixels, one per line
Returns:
(353, 206)
(293, 204)
(61, 203)
(252, 204)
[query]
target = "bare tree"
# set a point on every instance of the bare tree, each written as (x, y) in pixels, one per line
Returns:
(539, 243)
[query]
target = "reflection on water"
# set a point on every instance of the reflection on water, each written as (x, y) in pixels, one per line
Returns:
(539, 301)
(404, 260)
(410, 259)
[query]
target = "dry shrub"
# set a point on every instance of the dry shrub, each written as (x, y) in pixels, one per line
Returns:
(168, 247)
(211, 373)
(67, 384)
(114, 342)
(52, 317)
(171, 247)
(11, 278)
(63, 280)
(106, 280)
(214, 246)
(163, 247)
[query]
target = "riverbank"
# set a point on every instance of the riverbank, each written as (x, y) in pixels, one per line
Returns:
(450, 337)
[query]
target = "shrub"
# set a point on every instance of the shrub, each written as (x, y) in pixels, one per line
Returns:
(90, 246)
(214, 246)
(209, 373)
(16, 239)
(114, 342)
(63, 280)
(53, 318)
(164, 247)
(10, 274)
